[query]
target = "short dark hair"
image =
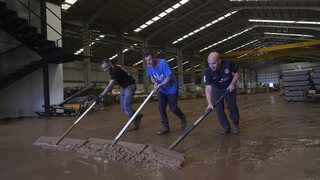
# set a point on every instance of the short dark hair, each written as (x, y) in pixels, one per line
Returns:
(149, 53)
(106, 61)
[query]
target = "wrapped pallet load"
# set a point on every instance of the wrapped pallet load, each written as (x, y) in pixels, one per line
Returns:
(296, 83)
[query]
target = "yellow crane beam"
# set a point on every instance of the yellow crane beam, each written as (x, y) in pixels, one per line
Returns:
(272, 48)
(283, 54)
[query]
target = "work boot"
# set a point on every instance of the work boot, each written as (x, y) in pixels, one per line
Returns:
(132, 127)
(235, 130)
(136, 123)
(183, 122)
(163, 131)
(138, 120)
(225, 131)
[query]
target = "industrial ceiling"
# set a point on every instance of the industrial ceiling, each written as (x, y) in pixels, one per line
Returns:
(193, 28)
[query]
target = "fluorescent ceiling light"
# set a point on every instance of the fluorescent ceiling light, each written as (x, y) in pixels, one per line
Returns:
(143, 26)
(243, 55)
(171, 59)
(71, 1)
(169, 10)
(221, 41)
(242, 46)
(116, 55)
(102, 36)
(137, 30)
(139, 62)
(286, 34)
(176, 6)
(283, 21)
(155, 18)
(65, 6)
(160, 15)
(250, 0)
(183, 2)
(150, 22)
(204, 26)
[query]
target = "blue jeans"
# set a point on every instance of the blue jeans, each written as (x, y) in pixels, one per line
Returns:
(126, 99)
(231, 101)
(172, 100)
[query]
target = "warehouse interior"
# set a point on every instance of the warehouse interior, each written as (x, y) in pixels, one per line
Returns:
(50, 74)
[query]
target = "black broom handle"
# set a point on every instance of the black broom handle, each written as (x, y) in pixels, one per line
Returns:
(195, 124)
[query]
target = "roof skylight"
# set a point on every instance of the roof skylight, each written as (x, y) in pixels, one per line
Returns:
(204, 27)
(160, 15)
(67, 4)
(219, 42)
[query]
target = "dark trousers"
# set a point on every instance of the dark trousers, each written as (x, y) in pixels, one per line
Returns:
(172, 100)
(231, 102)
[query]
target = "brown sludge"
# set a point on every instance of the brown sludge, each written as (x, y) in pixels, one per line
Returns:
(107, 152)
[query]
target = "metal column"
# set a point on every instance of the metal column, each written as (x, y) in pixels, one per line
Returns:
(180, 68)
(45, 65)
(146, 81)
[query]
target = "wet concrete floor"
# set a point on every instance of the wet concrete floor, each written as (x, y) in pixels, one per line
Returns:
(278, 140)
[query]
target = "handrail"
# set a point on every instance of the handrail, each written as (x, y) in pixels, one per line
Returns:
(39, 17)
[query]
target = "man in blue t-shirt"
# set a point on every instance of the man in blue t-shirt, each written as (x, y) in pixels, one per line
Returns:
(167, 87)
(219, 77)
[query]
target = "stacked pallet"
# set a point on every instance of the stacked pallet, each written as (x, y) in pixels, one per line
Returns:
(296, 84)
(316, 78)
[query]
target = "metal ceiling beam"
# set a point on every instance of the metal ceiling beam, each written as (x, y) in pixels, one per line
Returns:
(99, 12)
(254, 36)
(315, 8)
(250, 26)
(272, 48)
(314, 28)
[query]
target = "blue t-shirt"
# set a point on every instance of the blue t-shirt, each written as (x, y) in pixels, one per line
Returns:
(160, 73)
(220, 78)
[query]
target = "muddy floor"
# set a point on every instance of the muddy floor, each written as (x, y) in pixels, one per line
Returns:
(278, 140)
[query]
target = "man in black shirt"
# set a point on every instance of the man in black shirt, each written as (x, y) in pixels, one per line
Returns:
(221, 76)
(127, 89)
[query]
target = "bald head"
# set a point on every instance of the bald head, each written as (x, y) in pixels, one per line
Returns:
(214, 61)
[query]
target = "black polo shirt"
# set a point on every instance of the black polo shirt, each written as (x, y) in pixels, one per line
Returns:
(121, 76)
(220, 78)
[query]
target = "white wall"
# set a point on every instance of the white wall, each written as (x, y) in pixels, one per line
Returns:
(54, 22)
(26, 95)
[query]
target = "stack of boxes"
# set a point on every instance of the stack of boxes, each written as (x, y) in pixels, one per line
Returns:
(316, 78)
(296, 84)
